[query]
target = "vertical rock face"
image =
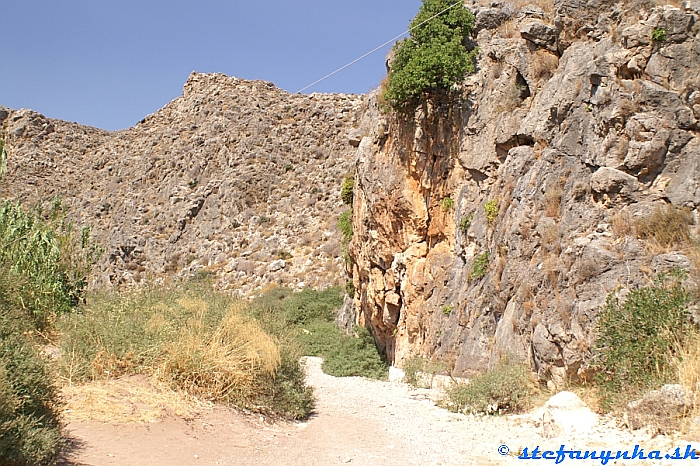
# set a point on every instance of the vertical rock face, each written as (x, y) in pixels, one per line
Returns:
(491, 221)
(235, 177)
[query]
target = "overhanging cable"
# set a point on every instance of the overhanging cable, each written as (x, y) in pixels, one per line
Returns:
(377, 48)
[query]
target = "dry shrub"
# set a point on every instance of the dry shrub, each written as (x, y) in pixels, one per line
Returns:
(110, 365)
(507, 30)
(381, 99)
(546, 5)
(666, 227)
(544, 65)
(552, 202)
(232, 359)
(551, 239)
(621, 224)
(528, 308)
(688, 367)
(627, 108)
(551, 269)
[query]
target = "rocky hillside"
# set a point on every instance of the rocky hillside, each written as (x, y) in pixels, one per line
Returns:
(235, 177)
(495, 220)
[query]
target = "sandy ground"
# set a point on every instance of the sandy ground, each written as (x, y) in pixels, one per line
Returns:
(356, 421)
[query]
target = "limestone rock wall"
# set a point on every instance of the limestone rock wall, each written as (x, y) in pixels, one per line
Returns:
(235, 177)
(575, 124)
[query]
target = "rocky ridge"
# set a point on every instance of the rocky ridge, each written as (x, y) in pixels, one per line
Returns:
(235, 177)
(494, 220)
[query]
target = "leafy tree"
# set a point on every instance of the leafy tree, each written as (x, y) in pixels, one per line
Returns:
(434, 57)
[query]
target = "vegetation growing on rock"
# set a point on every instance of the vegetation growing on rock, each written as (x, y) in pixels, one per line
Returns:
(434, 57)
(639, 337)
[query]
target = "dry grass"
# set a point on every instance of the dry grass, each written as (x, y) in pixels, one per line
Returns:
(688, 367)
(507, 30)
(552, 202)
(232, 359)
(544, 65)
(202, 343)
(546, 5)
(128, 399)
(622, 225)
(666, 228)
(551, 268)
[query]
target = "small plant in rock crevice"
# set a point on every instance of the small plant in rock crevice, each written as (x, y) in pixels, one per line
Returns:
(465, 222)
(491, 209)
(658, 35)
(480, 266)
(347, 190)
(447, 203)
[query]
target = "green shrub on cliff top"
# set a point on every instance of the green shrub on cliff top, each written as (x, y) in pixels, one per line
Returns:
(434, 57)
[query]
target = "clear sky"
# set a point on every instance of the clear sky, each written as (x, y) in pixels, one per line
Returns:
(109, 63)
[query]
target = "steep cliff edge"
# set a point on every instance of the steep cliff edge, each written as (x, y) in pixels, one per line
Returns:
(495, 220)
(235, 177)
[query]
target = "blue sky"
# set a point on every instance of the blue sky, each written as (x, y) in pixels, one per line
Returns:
(109, 63)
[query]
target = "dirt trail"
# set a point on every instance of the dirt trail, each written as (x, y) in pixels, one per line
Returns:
(356, 421)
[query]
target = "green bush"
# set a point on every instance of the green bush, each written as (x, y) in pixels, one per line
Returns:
(43, 272)
(505, 389)
(347, 191)
(638, 337)
(418, 365)
(447, 203)
(309, 319)
(465, 222)
(30, 431)
(434, 57)
(658, 35)
(49, 263)
(345, 225)
(491, 209)
(343, 355)
(480, 266)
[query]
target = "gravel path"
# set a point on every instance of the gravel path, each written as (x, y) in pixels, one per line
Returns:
(357, 421)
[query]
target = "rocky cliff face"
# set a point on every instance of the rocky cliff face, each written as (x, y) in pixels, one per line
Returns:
(234, 177)
(494, 220)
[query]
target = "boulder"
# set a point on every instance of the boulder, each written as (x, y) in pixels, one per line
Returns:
(665, 262)
(612, 181)
(565, 414)
(661, 410)
(491, 18)
(540, 34)
(274, 266)
(396, 374)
